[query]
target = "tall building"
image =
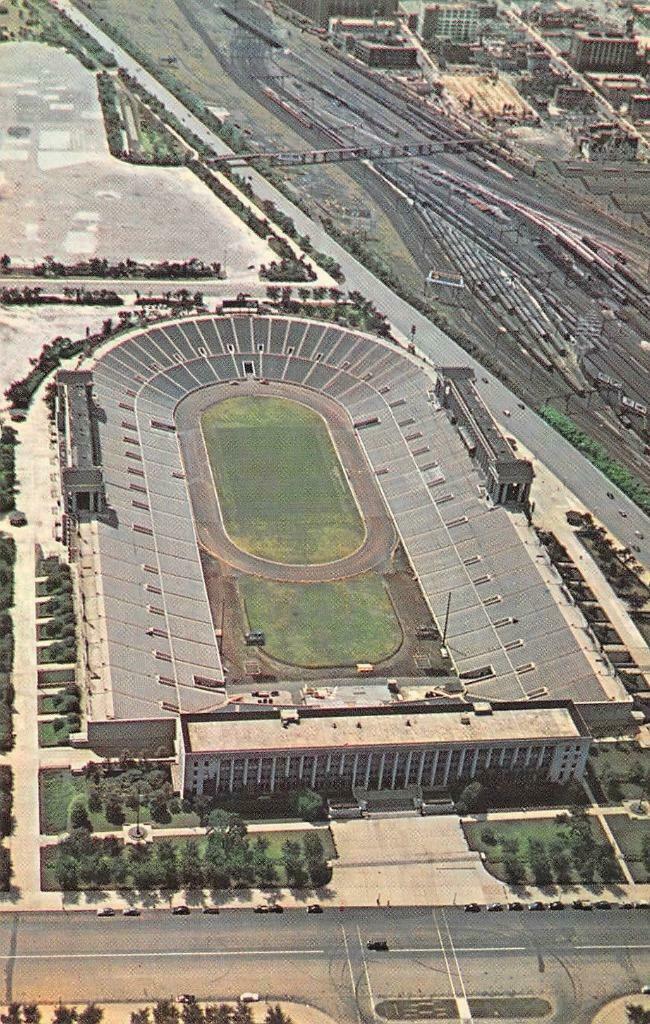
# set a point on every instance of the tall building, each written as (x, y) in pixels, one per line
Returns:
(592, 51)
(458, 22)
(321, 11)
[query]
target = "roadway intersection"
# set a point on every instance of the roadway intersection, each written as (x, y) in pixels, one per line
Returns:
(439, 960)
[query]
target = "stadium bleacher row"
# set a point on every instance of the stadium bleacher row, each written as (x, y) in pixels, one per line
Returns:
(505, 633)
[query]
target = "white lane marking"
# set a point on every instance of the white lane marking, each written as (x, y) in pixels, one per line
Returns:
(612, 947)
(463, 1005)
(444, 953)
(365, 971)
(352, 982)
(165, 953)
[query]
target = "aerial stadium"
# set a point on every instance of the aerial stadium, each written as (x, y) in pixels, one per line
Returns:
(254, 499)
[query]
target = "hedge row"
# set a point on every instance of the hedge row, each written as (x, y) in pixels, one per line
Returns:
(7, 562)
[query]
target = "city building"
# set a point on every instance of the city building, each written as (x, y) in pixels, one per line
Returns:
(393, 54)
(389, 747)
(320, 11)
(607, 143)
(593, 51)
(458, 22)
(508, 478)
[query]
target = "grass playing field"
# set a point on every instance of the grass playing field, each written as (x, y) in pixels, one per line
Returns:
(281, 487)
(323, 624)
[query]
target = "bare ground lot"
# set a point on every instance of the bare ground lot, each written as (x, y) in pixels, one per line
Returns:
(65, 196)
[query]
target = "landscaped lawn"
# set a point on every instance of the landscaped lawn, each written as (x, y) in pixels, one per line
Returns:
(617, 761)
(323, 624)
(629, 833)
(48, 736)
(58, 787)
(282, 491)
(524, 830)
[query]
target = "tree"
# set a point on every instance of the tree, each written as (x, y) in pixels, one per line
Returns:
(514, 870)
(645, 851)
(142, 1016)
(539, 862)
(242, 1014)
(91, 1014)
(294, 865)
(221, 1014)
(31, 1013)
(67, 873)
(192, 1013)
(165, 1012)
(78, 815)
(12, 1016)
(114, 810)
(64, 1014)
(276, 1015)
(470, 798)
(189, 866)
(488, 836)
(636, 1014)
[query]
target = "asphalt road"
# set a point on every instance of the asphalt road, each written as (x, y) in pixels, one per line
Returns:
(573, 469)
(573, 959)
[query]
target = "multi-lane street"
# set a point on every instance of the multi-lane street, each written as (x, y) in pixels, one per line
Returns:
(574, 960)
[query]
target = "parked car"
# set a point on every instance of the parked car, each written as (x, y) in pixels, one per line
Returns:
(380, 945)
(602, 905)
(314, 908)
(211, 910)
(495, 906)
(131, 912)
(276, 908)
(556, 905)
(262, 908)
(186, 997)
(515, 905)
(249, 997)
(537, 905)
(472, 908)
(582, 905)
(105, 912)
(18, 518)
(181, 910)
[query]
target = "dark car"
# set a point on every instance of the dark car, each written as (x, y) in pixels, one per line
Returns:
(472, 908)
(131, 912)
(495, 906)
(380, 945)
(314, 908)
(211, 910)
(262, 908)
(602, 905)
(18, 518)
(582, 905)
(106, 912)
(556, 905)
(515, 905)
(181, 911)
(186, 997)
(276, 908)
(537, 905)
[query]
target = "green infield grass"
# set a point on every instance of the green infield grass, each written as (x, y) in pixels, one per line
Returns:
(323, 624)
(281, 487)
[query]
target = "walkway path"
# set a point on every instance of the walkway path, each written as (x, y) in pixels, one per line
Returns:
(602, 820)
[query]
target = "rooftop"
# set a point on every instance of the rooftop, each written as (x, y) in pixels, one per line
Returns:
(309, 729)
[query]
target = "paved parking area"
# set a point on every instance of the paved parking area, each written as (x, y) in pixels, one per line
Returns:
(408, 860)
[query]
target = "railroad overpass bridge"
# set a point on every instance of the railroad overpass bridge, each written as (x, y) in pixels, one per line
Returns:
(293, 158)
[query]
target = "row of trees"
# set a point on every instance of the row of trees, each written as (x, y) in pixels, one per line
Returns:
(166, 1011)
(8, 442)
(7, 562)
(573, 852)
(635, 489)
(99, 266)
(349, 313)
(228, 858)
(501, 788)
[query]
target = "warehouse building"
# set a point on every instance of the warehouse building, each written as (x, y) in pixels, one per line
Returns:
(593, 51)
(455, 22)
(389, 747)
(81, 476)
(508, 479)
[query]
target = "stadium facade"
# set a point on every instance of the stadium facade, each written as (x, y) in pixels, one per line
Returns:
(159, 659)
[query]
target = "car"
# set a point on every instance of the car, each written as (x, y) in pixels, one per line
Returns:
(641, 904)
(622, 513)
(628, 905)
(249, 997)
(515, 905)
(506, 412)
(610, 494)
(472, 908)
(645, 991)
(276, 908)
(262, 908)
(18, 519)
(495, 906)
(131, 912)
(105, 912)
(314, 908)
(557, 905)
(181, 910)
(582, 905)
(537, 905)
(211, 910)
(602, 905)
(186, 997)
(379, 945)
(521, 405)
